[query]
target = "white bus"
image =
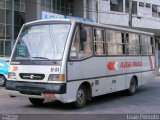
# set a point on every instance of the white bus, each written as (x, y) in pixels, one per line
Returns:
(72, 61)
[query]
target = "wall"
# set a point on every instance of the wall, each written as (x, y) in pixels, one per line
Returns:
(78, 8)
(31, 10)
(143, 19)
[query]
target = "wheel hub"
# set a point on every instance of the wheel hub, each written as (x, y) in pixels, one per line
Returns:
(80, 96)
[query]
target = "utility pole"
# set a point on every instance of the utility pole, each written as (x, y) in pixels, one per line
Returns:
(97, 11)
(130, 14)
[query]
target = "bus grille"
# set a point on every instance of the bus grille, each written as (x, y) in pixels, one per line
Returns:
(31, 76)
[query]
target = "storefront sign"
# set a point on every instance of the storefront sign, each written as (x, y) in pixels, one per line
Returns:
(48, 15)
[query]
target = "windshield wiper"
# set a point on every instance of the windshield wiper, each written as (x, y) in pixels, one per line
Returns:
(22, 57)
(44, 58)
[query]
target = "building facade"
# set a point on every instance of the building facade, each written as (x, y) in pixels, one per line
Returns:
(63, 7)
(12, 16)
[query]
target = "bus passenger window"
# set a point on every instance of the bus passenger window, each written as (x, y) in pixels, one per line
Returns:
(99, 42)
(147, 46)
(82, 44)
(133, 44)
(116, 42)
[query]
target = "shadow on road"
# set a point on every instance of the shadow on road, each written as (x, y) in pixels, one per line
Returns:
(100, 100)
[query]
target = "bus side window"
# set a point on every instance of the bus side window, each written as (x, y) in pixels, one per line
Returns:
(115, 42)
(133, 47)
(99, 43)
(82, 44)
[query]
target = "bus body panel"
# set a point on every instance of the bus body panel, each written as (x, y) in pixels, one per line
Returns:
(29, 70)
(78, 70)
(104, 73)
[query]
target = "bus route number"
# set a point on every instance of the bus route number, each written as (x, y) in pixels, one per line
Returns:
(56, 69)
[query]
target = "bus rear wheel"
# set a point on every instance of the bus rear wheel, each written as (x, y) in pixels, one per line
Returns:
(2, 80)
(81, 98)
(133, 86)
(36, 101)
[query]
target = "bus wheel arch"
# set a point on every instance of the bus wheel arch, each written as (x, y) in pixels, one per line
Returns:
(83, 95)
(87, 85)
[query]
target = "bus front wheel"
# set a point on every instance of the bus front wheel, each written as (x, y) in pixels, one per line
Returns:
(36, 101)
(81, 98)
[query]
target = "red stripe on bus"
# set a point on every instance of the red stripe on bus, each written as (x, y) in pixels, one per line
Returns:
(151, 62)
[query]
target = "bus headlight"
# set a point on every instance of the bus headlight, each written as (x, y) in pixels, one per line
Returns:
(12, 75)
(56, 77)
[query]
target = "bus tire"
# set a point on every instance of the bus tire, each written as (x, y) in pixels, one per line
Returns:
(36, 101)
(2, 81)
(133, 87)
(81, 97)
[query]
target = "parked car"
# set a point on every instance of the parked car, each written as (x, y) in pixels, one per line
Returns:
(3, 70)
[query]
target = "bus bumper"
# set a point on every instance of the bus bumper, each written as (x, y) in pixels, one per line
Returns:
(29, 88)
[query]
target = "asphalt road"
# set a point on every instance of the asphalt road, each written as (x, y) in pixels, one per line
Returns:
(145, 101)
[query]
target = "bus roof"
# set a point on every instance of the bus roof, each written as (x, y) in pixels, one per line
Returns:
(88, 23)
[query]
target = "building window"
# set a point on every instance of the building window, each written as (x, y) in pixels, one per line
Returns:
(155, 11)
(64, 7)
(141, 4)
(46, 5)
(2, 31)
(1, 47)
(8, 32)
(134, 7)
(8, 4)
(7, 48)
(2, 4)
(116, 5)
(19, 19)
(6, 22)
(8, 17)
(2, 14)
(148, 5)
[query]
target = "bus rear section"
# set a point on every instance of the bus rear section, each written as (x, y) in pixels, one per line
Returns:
(73, 61)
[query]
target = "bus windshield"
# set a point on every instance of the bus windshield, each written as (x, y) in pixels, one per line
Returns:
(39, 42)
